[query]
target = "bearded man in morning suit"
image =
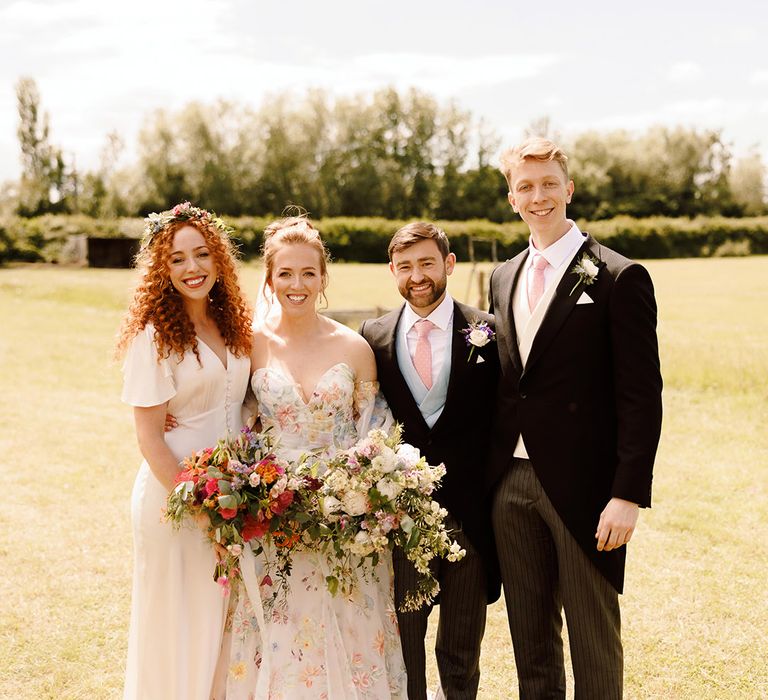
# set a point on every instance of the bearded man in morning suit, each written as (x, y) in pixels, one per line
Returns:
(442, 390)
(578, 424)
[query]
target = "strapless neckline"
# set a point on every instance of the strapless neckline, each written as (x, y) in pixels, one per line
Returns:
(297, 387)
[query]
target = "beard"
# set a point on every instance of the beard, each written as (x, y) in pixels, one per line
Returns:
(437, 289)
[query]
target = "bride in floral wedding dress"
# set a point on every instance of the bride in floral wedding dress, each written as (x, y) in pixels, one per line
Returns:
(314, 381)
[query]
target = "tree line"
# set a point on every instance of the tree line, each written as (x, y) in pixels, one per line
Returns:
(392, 154)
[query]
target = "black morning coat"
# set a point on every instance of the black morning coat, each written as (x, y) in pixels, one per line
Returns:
(460, 438)
(588, 402)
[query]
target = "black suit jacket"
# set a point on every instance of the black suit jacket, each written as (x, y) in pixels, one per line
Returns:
(460, 438)
(588, 402)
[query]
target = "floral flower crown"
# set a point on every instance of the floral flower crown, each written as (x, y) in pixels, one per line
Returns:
(185, 211)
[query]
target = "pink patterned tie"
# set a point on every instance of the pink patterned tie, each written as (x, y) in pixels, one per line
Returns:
(422, 358)
(536, 280)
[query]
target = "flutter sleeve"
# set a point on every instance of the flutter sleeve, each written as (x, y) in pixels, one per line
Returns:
(370, 409)
(147, 378)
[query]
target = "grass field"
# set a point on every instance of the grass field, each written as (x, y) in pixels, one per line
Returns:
(696, 604)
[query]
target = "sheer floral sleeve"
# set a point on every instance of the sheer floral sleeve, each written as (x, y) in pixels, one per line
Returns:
(250, 411)
(370, 409)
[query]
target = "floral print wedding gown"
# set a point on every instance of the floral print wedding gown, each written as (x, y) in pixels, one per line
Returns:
(308, 643)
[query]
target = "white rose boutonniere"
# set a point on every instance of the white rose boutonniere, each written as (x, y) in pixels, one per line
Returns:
(587, 269)
(477, 334)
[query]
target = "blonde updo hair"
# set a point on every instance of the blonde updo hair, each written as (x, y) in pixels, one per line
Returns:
(293, 230)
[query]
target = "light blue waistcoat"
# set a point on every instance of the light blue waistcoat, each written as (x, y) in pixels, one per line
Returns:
(430, 402)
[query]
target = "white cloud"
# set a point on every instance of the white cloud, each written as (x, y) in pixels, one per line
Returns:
(712, 111)
(684, 72)
(108, 65)
(759, 77)
(102, 86)
(40, 12)
(450, 74)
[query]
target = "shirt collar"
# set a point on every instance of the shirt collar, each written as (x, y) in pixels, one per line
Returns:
(441, 316)
(562, 250)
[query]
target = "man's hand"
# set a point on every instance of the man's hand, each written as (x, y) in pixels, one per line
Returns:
(617, 523)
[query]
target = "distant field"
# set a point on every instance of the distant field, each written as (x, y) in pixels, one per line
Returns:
(695, 610)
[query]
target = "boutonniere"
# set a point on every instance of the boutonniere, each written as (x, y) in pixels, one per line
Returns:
(587, 269)
(477, 334)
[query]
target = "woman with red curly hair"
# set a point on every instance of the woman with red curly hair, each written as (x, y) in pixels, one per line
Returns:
(187, 340)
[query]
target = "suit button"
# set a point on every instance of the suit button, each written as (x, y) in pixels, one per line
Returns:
(523, 396)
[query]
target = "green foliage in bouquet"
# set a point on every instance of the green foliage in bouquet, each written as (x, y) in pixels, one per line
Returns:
(244, 494)
(351, 508)
(375, 496)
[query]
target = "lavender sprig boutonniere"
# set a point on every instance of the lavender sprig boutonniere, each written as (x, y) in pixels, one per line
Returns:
(587, 269)
(477, 334)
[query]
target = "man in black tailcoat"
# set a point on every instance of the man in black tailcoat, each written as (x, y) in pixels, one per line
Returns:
(440, 383)
(578, 421)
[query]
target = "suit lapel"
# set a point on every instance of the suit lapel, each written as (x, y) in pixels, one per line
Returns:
(506, 313)
(399, 396)
(563, 302)
(388, 337)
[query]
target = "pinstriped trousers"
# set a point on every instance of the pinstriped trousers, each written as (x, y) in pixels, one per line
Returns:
(544, 571)
(463, 601)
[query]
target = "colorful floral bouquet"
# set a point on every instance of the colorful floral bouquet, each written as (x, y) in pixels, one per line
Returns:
(351, 508)
(247, 494)
(376, 495)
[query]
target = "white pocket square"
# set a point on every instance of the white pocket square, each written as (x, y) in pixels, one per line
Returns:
(585, 299)
(479, 359)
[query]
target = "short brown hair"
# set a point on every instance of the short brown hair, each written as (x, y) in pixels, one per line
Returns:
(412, 233)
(533, 148)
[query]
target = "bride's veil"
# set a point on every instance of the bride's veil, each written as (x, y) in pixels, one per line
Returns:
(265, 302)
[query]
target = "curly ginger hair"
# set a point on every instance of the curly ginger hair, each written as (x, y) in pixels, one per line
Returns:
(156, 301)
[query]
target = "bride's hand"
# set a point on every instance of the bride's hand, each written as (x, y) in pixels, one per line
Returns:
(170, 423)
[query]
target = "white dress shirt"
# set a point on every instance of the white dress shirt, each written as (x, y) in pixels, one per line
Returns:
(560, 253)
(439, 337)
(559, 256)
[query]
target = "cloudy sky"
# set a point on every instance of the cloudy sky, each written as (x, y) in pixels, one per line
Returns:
(102, 66)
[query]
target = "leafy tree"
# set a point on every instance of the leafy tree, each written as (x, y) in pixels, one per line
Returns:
(42, 187)
(451, 152)
(162, 176)
(748, 184)
(99, 196)
(389, 153)
(663, 172)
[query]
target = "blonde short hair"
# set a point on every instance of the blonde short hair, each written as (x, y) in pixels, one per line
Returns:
(533, 148)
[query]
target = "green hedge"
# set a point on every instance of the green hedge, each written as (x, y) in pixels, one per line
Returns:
(366, 239)
(43, 238)
(660, 237)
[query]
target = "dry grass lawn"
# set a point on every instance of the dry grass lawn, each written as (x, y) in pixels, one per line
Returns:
(695, 609)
